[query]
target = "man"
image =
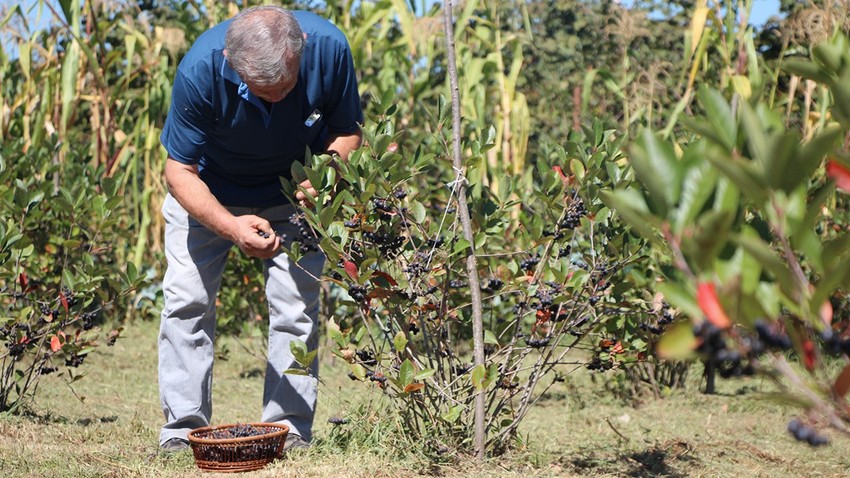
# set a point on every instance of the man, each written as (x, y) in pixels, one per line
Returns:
(248, 99)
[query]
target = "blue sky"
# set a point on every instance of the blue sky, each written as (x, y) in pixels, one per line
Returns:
(762, 10)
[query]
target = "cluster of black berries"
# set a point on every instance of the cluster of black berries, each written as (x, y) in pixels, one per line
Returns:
(399, 193)
(664, 318)
(70, 297)
(238, 431)
(45, 370)
(357, 292)
(492, 285)
(414, 269)
(389, 244)
(413, 327)
(457, 284)
(599, 365)
(834, 344)
(46, 310)
(434, 242)
(74, 360)
(307, 238)
(367, 358)
(16, 349)
(805, 433)
(352, 223)
(538, 343)
(713, 347)
(565, 251)
(574, 214)
(769, 338)
(383, 207)
(529, 263)
(88, 319)
(337, 420)
(378, 377)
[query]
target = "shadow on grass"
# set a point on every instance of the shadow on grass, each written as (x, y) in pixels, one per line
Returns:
(666, 460)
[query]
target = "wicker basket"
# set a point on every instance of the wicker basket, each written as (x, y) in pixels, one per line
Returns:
(237, 454)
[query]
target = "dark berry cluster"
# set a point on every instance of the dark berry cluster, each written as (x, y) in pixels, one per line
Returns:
(538, 343)
(457, 284)
(529, 263)
(492, 285)
(805, 433)
(599, 365)
(399, 193)
(45, 370)
(383, 207)
(74, 360)
(367, 358)
(574, 214)
(388, 244)
(714, 348)
(337, 420)
(834, 344)
(358, 292)
(377, 377)
(770, 338)
(88, 319)
(565, 251)
(352, 223)
(70, 298)
(307, 237)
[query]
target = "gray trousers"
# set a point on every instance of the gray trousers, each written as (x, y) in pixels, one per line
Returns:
(196, 260)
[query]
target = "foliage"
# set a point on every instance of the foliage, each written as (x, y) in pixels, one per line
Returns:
(58, 276)
(555, 266)
(743, 210)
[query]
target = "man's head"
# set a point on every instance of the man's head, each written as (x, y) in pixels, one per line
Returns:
(263, 45)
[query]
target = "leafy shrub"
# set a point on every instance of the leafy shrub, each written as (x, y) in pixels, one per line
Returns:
(555, 265)
(58, 273)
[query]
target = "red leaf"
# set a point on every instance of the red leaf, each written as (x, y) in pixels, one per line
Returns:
(809, 355)
(560, 171)
(543, 316)
(388, 277)
(22, 279)
(842, 383)
(710, 305)
(414, 387)
(55, 344)
(64, 300)
(840, 174)
(350, 269)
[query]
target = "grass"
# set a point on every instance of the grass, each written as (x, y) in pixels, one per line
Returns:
(577, 430)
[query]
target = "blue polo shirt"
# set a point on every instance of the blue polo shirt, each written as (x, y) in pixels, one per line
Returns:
(241, 148)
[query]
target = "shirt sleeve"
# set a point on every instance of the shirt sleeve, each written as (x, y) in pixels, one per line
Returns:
(344, 114)
(185, 131)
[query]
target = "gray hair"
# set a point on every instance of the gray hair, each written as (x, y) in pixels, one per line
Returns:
(264, 44)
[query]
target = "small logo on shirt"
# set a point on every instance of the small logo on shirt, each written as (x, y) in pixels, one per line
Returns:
(316, 115)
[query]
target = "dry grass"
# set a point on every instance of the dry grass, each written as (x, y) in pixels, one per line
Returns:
(579, 430)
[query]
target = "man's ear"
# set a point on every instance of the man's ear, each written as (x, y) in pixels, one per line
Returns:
(224, 52)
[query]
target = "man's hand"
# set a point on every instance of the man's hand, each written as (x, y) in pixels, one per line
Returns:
(255, 237)
(301, 197)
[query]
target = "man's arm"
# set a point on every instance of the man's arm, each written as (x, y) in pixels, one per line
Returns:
(343, 144)
(194, 195)
(340, 144)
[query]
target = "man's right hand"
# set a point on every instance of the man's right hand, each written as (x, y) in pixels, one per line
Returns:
(255, 237)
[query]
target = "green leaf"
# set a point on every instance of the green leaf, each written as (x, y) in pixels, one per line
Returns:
(417, 211)
(677, 343)
(806, 69)
(296, 371)
(719, 116)
(762, 252)
(453, 414)
(358, 370)
(681, 298)
(405, 373)
(490, 338)
(424, 374)
(698, 186)
(657, 169)
(400, 342)
(479, 373)
(630, 205)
